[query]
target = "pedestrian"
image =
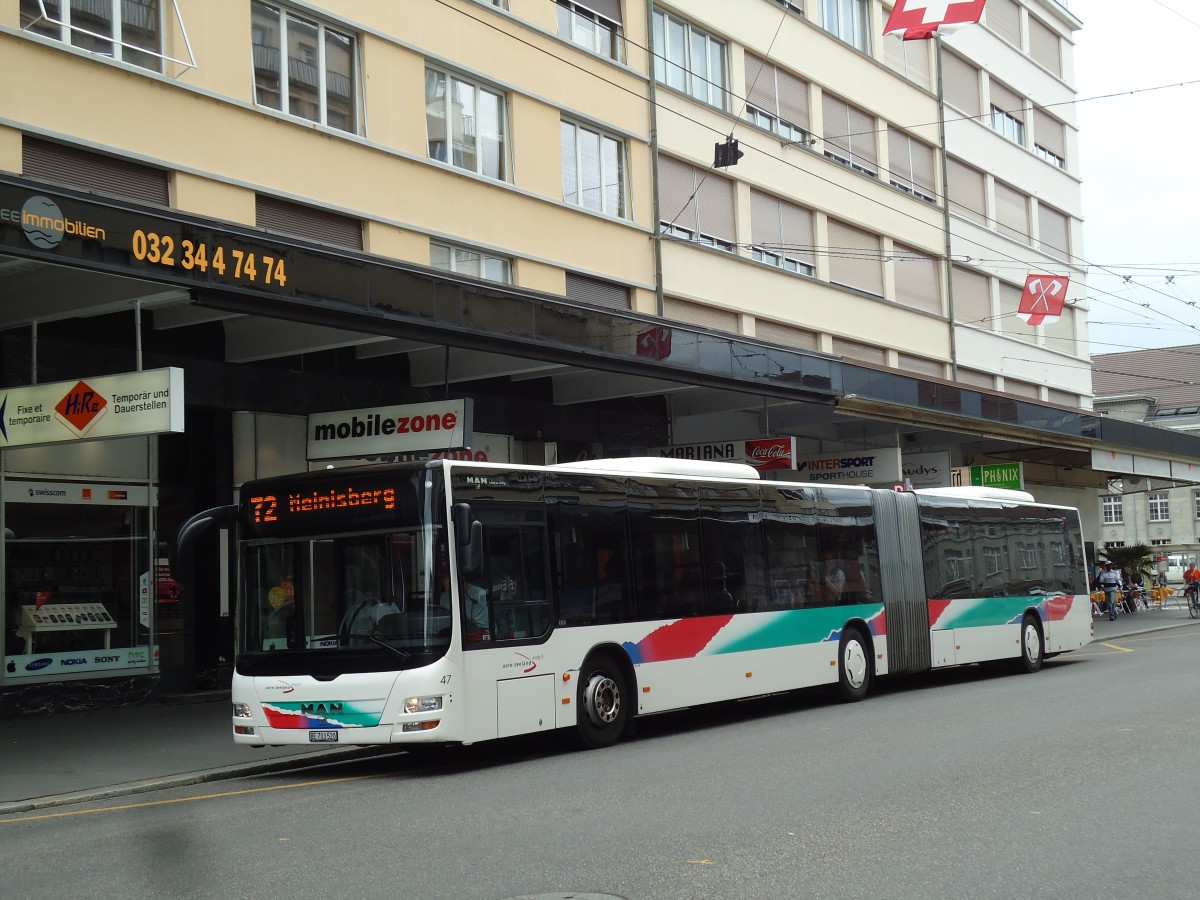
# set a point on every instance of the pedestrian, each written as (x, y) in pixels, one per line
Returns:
(1110, 583)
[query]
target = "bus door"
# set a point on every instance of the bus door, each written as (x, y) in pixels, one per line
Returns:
(898, 524)
(506, 615)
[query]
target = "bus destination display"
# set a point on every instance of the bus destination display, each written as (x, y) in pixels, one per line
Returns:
(345, 502)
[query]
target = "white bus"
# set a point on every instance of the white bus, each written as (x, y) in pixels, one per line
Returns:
(456, 602)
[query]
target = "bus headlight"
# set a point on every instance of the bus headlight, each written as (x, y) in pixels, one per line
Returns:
(422, 704)
(241, 710)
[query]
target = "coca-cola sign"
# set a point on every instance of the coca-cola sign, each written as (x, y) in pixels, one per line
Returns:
(770, 454)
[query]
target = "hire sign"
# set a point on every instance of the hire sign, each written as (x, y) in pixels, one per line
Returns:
(104, 406)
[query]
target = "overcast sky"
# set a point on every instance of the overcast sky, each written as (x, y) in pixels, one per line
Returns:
(1141, 190)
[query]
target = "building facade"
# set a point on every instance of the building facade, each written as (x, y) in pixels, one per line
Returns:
(1152, 505)
(307, 216)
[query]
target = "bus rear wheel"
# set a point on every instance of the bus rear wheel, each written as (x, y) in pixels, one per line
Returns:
(603, 703)
(854, 666)
(1033, 646)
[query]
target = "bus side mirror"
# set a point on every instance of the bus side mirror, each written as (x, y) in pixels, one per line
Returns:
(468, 535)
(181, 552)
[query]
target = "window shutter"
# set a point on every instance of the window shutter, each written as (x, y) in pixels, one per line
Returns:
(610, 9)
(960, 81)
(1054, 233)
(787, 335)
(971, 378)
(779, 224)
(854, 258)
(967, 192)
(972, 300)
(1007, 100)
(1044, 46)
(1012, 213)
(919, 365)
(917, 280)
(760, 84)
(676, 184)
(835, 116)
(714, 200)
(861, 352)
(1049, 133)
(793, 99)
(1004, 18)
(862, 138)
(797, 225)
(1021, 389)
(319, 225)
(596, 292)
(911, 162)
(95, 172)
(699, 314)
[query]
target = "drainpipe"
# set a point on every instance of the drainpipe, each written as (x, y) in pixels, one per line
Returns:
(660, 304)
(944, 160)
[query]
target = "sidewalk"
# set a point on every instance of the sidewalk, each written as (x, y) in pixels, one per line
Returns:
(53, 760)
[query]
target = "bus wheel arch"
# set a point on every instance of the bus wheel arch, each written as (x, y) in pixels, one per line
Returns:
(1032, 642)
(856, 662)
(605, 697)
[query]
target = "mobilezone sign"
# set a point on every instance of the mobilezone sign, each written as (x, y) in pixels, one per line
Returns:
(104, 406)
(388, 430)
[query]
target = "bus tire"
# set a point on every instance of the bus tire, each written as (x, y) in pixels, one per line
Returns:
(603, 702)
(854, 665)
(1033, 644)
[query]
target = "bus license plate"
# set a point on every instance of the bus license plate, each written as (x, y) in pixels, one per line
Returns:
(323, 737)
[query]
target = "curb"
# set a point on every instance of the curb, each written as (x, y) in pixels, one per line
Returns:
(222, 773)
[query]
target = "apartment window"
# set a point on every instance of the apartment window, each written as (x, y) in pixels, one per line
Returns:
(473, 263)
(1004, 18)
(781, 234)
(1054, 233)
(1160, 510)
(1049, 139)
(593, 169)
(1008, 113)
(849, 135)
(910, 59)
(318, 82)
(849, 20)
(594, 25)
(1012, 213)
(776, 100)
(689, 60)
(968, 191)
(128, 30)
(597, 292)
(912, 166)
(973, 299)
(855, 259)
(961, 82)
(465, 123)
(1196, 503)
(285, 217)
(917, 279)
(1160, 542)
(696, 204)
(1044, 46)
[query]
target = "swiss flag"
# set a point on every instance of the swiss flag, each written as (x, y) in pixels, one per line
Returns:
(918, 19)
(1043, 298)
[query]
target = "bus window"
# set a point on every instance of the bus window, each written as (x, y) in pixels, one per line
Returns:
(735, 569)
(506, 598)
(590, 549)
(664, 531)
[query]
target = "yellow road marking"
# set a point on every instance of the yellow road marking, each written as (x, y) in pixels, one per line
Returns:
(257, 790)
(1116, 647)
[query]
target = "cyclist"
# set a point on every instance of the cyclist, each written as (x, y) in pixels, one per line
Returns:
(1191, 581)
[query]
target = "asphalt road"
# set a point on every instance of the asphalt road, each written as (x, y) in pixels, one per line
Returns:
(1079, 781)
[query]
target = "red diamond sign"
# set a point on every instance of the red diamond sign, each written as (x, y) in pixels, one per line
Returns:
(81, 408)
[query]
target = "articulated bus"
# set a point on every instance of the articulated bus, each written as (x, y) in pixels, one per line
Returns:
(456, 602)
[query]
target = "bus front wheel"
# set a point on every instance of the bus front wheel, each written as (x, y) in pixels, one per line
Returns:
(603, 700)
(854, 665)
(1033, 647)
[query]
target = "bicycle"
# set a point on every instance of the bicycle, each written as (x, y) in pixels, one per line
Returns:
(1193, 600)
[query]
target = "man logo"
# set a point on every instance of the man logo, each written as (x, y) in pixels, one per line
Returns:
(39, 216)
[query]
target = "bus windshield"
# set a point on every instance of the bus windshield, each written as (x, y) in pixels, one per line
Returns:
(351, 602)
